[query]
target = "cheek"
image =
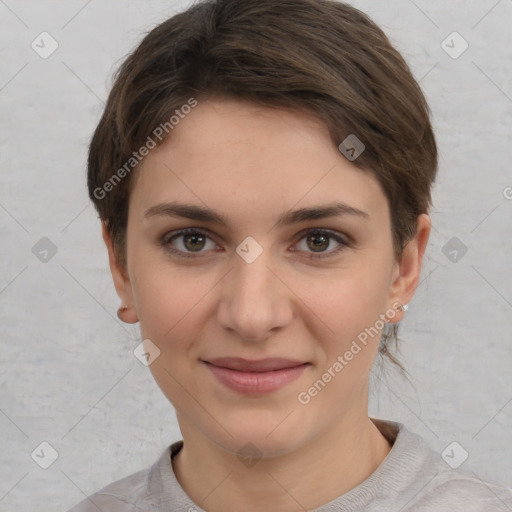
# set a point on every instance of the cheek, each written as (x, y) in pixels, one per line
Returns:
(165, 302)
(346, 301)
(171, 311)
(173, 304)
(348, 311)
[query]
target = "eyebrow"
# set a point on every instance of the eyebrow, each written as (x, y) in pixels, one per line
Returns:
(200, 213)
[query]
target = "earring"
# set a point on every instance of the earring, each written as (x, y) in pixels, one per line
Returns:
(403, 307)
(120, 311)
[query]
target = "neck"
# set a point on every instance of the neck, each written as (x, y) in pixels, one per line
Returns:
(314, 474)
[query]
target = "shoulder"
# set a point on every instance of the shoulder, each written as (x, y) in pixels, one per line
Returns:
(141, 491)
(460, 491)
(119, 496)
(422, 481)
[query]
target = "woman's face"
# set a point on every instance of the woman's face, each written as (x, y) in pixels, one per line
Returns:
(258, 287)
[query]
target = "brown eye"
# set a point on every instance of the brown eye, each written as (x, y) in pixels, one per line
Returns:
(186, 242)
(318, 241)
(194, 242)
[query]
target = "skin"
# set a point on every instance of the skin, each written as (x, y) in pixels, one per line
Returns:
(252, 164)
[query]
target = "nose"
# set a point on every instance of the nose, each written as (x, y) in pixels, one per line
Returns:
(254, 300)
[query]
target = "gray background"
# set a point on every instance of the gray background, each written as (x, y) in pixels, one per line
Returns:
(68, 373)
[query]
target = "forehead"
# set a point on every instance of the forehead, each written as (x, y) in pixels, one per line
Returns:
(248, 159)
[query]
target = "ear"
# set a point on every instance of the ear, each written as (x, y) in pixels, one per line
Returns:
(408, 271)
(120, 277)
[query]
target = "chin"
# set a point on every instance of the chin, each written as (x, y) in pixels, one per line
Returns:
(268, 433)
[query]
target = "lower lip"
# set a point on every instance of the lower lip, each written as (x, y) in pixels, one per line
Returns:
(256, 382)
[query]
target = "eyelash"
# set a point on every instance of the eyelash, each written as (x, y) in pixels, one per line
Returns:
(343, 241)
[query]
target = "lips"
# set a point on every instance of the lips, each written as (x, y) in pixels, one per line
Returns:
(261, 365)
(255, 376)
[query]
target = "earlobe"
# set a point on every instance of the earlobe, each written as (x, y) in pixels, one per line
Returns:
(121, 280)
(407, 277)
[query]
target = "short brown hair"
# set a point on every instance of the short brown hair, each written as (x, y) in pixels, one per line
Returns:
(319, 56)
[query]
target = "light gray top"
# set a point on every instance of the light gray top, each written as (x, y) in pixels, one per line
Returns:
(412, 478)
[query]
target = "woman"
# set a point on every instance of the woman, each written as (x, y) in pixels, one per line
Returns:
(263, 174)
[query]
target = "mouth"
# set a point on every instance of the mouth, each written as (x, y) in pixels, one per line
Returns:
(255, 376)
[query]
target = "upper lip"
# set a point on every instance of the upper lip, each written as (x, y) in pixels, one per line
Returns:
(260, 365)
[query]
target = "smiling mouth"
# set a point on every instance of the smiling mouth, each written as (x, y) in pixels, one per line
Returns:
(255, 376)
